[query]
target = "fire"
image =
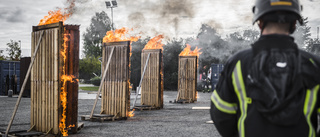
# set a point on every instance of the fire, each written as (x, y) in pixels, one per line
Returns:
(58, 15)
(54, 17)
(63, 94)
(188, 52)
(155, 43)
(197, 95)
(131, 113)
(119, 35)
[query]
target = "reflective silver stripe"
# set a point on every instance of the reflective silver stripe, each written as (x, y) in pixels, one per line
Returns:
(240, 90)
(222, 105)
(309, 107)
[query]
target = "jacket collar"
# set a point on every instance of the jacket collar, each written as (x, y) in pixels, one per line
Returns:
(274, 41)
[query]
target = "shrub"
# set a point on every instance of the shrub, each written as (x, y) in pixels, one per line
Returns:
(95, 81)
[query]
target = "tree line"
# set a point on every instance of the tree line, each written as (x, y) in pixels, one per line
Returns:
(214, 48)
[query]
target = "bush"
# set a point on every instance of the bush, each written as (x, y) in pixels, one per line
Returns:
(96, 81)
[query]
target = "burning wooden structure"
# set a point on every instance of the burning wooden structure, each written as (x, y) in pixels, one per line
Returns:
(187, 75)
(152, 84)
(54, 87)
(115, 89)
(187, 78)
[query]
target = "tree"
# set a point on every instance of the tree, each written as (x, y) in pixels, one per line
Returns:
(14, 50)
(302, 33)
(171, 53)
(213, 47)
(135, 68)
(88, 66)
(2, 57)
(237, 41)
(92, 37)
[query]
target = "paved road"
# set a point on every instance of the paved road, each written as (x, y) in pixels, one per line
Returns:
(172, 120)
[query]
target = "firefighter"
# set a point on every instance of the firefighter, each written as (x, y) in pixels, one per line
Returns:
(271, 89)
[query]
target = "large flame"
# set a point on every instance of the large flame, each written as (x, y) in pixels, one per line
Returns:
(188, 52)
(63, 93)
(155, 43)
(55, 16)
(119, 35)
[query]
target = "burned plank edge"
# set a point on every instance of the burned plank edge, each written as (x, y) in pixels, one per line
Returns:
(184, 101)
(119, 43)
(142, 108)
(101, 118)
(48, 26)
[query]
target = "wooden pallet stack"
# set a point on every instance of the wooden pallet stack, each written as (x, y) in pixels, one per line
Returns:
(46, 82)
(115, 91)
(187, 79)
(152, 84)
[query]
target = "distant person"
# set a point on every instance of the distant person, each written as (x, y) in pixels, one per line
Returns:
(271, 89)
(204, 82)
(209, 80)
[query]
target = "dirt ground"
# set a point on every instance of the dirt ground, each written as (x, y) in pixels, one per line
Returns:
(173, 120)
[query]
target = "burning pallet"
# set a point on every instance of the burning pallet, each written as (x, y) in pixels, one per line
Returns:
(115, 89)
(152, 84)
(187, 75)
(54, 85)
(187, 79)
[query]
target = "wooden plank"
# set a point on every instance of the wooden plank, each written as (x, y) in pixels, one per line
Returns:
(32, 82)
(56, 82)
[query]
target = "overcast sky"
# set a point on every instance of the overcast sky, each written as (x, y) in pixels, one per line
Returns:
(173, 18)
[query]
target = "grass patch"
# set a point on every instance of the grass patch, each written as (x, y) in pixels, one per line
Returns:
(94, 88)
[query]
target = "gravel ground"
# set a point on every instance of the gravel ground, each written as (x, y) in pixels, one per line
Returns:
(173, 120)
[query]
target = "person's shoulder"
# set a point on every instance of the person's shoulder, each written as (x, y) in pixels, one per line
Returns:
(242, 55)
(308, 55)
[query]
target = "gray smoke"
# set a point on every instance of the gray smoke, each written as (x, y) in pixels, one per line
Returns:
(13, 16)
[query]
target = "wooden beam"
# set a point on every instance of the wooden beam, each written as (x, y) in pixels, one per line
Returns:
(101, 83)
(23, 85)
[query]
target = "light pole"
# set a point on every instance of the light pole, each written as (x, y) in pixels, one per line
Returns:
(111, 5)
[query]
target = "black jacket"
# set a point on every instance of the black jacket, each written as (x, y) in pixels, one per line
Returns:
(268, 90)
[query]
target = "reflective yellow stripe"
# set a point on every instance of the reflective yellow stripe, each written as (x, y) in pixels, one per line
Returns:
(240, 90)
(310, 101)
(226, 107)
(285, 3)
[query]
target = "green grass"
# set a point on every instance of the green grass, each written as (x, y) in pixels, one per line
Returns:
(95, 88)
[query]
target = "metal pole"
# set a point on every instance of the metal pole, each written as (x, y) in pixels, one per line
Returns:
(139, 87)
(24, 84)
(112, 18)
(101, 83)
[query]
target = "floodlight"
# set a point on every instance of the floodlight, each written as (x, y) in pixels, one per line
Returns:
(114, 3)
(108, 4)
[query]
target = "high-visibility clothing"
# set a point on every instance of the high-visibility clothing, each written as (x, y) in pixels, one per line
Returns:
(269, 90)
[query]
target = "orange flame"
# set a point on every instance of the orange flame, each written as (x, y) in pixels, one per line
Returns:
(58, 15)
(188, 52)
(155, 43)
(197, 95)
(63, 93)
(119, 35)
(131, 113)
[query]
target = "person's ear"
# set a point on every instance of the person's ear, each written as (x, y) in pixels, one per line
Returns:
(260, 24)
